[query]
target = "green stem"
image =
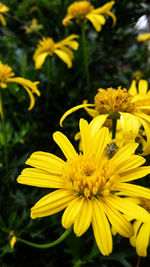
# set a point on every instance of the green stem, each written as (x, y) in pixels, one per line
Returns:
(85, 55)
(48, 245)
(4, 131)
(114, 124)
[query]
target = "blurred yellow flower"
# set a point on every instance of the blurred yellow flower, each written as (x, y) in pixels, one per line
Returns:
(12, 239)
(143, 37)
(47, 47)
(7, 76)
(138, 74)
(3, 10)
(90, 186)
(83, 11)
(141, 237)
(130, 107)
(33, 26)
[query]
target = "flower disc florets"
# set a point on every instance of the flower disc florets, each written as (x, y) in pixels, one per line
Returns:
(79, 9)
(47, 44)
(5, 74)
(87, 177)
(113, 101)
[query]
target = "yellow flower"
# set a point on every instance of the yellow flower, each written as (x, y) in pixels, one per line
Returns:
(130, 107)
(12, 239)
(90, 186)
(83, 11)
(3, 10)
(143, 37)
(141, 237)
(33, 26)
(7, 76)
(47, 47)
(138, 74)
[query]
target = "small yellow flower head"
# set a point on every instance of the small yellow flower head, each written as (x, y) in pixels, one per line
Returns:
(3, 10)
(33, 27)
(143, 37)
(138, 74)
(89, 186)
(82, 11)
(113, 101)
(7, 76)
(141, 238)
(47, 47)
(12, 239)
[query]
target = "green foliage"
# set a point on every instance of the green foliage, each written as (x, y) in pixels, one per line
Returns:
(113, 56)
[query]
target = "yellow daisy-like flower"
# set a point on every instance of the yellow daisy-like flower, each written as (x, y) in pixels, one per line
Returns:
(141, 237)
(138, 74)
(47, 47)
(7, 76)
(130, 107)
(33, 27)
(3, 10)
(143, 37)
(83, 11)
(90, 186)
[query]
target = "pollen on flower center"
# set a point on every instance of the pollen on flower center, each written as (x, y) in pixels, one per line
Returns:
(113, 101)
(87, 177)
(5, 72)
(79, 9)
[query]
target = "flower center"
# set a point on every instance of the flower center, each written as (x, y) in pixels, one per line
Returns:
(87, 177)
(79, 9)
(5, 72)
(145, 203)
(113, 101)
(48, 45)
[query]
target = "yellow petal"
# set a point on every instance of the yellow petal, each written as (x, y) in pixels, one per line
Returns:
(146, 146)
(46, 161)
(66, 40)
(68, 112)
(112, 15)
(97, 123)
(65, 145)
(71, 212)
(3, 20)
(73, 44)
(101, 228)
(143, 87)
(142, 115)
(118, 221)
(130, 125)
(143, 239)
(39, 178)
(128, 208)
(134, 190)
(136, 226)
(68, 51)
(96, 20)
(64, 57)
(123, 154)
(134, 162)
(85, 136)
(134, 174)
(32, 98)
(40, 60)
(133, 89)
(100, 142)
(52, 203)
(83, 219)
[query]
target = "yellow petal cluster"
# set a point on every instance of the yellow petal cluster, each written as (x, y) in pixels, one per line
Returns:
(91, 187)
(47, 47)
(3, 10)
(7, 76)
(82, 11)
